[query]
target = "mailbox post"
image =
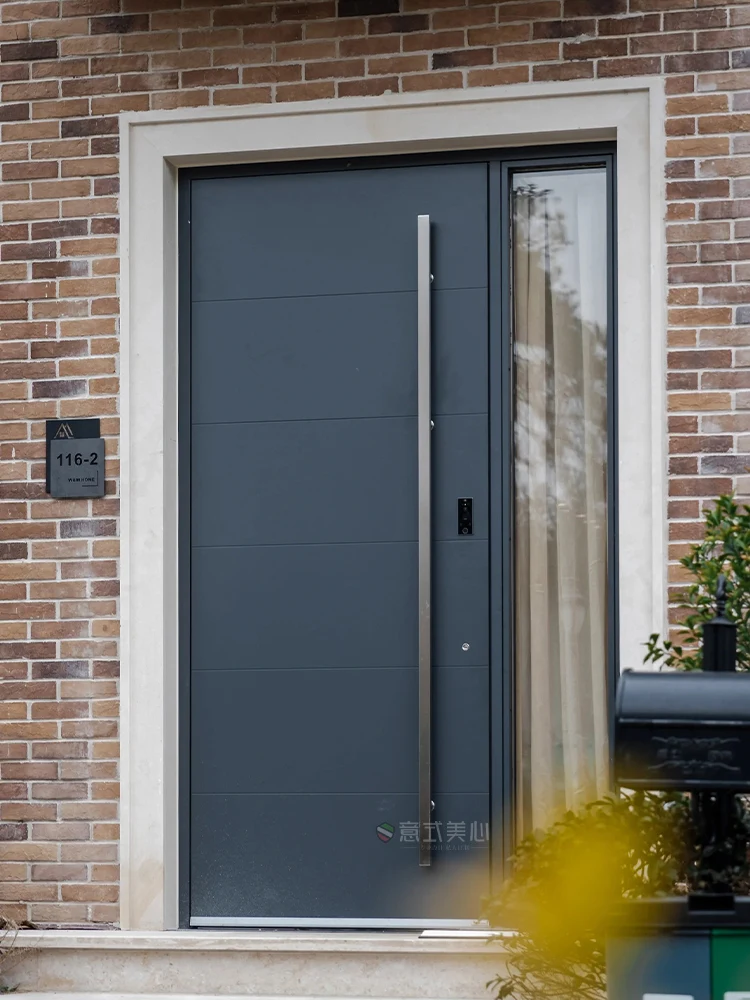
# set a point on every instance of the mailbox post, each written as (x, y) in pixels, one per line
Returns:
(712, 811)
(688, 732)
(720, 636)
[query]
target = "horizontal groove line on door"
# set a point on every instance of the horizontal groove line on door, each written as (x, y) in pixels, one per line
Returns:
(311, 795)
(392, 666)
(338, 295)
(288, 545)
(324, 420)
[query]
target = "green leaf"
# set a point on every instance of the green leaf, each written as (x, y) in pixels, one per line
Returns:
(562, 958)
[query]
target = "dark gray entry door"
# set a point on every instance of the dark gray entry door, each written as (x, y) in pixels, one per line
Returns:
(303, 596)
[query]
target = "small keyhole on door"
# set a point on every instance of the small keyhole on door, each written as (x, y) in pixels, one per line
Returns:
(465, 516)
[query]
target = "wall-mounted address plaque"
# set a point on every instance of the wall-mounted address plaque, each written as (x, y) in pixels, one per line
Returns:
(75, 458)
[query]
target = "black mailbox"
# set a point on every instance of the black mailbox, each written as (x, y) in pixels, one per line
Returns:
(683, 731)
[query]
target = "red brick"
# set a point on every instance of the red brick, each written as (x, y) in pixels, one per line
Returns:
(388, 65)
(628, 25)
(79, 64)
(334, 68)
(595, 48)
(636, 66)
(59, 872)
(699, 359)
(398, 23)
(462, 57)
(564, 29)
(564, 71)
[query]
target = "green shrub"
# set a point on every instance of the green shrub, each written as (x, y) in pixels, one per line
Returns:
(567, 881)
(724, 549)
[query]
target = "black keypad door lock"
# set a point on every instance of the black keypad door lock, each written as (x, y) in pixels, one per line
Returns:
(465, 516)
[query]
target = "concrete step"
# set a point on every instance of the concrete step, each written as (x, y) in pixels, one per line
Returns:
(265, 965)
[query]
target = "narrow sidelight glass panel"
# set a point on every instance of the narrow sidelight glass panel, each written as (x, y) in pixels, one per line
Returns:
(560, 300)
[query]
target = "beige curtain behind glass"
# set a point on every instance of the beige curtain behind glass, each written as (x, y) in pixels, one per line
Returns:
(559, 295)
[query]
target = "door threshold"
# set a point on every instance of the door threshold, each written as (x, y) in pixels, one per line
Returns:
(483, 934)
(341, 923)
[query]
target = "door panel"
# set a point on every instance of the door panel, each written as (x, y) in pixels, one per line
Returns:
(331, 481)
(336, 356)
(358, 711)
(337, 233)
(458, 445)
(242, 596)
(322, 481)
(303, 579)
(292, 868)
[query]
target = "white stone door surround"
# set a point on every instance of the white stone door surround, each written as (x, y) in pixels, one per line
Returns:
(154, 146)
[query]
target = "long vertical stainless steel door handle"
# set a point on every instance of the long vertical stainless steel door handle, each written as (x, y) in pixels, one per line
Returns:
(424, 546)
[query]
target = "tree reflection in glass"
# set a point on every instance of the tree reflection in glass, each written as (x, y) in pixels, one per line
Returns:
(559, 293)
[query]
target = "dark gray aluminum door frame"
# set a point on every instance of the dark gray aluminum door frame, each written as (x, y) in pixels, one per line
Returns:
(303, 531)
(501, 163)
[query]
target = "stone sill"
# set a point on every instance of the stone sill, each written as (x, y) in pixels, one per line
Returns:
(179, 996)
(108, 964)
(352, 942)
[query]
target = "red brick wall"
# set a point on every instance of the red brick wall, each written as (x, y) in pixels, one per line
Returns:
(67, 67)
